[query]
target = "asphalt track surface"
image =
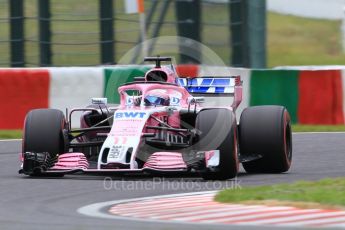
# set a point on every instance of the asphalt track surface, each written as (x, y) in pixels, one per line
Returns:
(28, 203)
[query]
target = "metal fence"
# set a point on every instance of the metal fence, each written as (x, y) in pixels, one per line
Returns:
(75, 36)
(4, 34)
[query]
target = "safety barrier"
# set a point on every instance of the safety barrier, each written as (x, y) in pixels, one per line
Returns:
(312, 95)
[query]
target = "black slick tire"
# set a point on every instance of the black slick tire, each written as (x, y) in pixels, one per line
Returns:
(43, 132)
(218, 131)
(266, 130)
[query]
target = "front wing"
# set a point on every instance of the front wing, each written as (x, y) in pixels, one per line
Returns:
(160, 163)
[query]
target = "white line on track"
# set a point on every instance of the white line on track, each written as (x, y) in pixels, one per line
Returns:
(301, 133)
(8, 140)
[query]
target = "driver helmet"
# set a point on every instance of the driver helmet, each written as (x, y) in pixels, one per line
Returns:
(157, 98)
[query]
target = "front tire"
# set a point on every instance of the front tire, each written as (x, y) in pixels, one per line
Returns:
(43, 132)
(218, 131)
(266, 130)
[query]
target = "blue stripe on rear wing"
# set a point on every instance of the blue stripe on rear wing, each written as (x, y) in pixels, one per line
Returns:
(208, 85)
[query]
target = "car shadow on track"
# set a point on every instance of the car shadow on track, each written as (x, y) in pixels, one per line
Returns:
(130, 177)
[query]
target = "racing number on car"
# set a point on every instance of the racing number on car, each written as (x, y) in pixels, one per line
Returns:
(124, 140)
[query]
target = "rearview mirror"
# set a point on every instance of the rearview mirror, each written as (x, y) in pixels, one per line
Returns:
(99, 101)
(196, 100)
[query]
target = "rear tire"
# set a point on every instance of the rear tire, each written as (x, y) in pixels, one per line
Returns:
(266, 130)
(218, 132)
(43, 132)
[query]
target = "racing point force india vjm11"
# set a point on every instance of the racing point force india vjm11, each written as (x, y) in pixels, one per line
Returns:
(160, 128)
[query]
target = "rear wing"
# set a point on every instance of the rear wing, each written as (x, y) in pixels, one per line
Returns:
(208, 86)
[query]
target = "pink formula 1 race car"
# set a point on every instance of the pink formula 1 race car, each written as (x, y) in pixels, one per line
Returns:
(160, 127)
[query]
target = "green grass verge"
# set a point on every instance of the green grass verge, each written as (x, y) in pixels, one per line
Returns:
(15, 134)
(318, 128)
(328, 192)
(10, 134)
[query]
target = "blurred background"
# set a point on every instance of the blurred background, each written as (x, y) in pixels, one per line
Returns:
(243, 33)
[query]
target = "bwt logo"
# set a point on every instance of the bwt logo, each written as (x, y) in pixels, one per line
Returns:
(130, 115)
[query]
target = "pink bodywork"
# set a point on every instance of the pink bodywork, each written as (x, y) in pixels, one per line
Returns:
(165, 161)
(71, 161)
(171, 75)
